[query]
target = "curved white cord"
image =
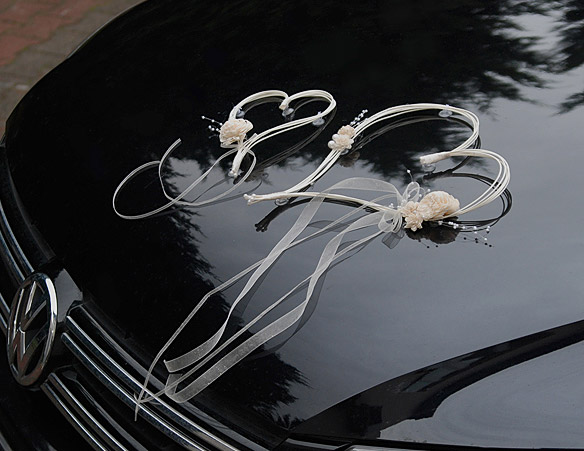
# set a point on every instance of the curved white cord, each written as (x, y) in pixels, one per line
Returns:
(493, 191)
(383, 115)
(344, 139)
(239, 149)
(178, 199)
(244, 146)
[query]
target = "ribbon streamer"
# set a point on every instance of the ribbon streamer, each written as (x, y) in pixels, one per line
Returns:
(388, 220)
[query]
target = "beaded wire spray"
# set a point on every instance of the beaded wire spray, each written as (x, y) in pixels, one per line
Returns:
(233, 136)
(408, 211)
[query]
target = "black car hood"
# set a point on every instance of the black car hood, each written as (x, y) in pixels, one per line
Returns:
(439, 339)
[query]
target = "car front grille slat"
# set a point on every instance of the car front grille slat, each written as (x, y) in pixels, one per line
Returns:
(71, 408)
(126, 398)
(104, 362)
(16, 261)
(118, 380)
(16, 265)
(4, 314)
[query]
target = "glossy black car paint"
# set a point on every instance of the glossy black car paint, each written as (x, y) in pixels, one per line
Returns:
(455, 344)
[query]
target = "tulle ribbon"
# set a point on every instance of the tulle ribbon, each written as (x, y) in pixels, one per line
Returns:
(183, 383)
(387, 220)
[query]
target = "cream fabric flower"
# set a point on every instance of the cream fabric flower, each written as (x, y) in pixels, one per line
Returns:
(412, 216)
(343, 139)
(435, 205)
(234, 130)
(438, 204)
(347, 130)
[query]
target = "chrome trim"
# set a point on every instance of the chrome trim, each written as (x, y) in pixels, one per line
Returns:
(164, 411)
(4, 314)
(4, 443)
(134, 385)
(145, 412)
(25, 341)
(18, 264)
(76, 422)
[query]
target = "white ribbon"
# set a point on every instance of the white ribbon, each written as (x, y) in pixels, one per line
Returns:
(387, 220)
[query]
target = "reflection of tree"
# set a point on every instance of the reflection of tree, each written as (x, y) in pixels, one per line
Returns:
(372, 54)
(409, 47)
(253, 389)
(571, 54)
(391, 155)
(494, 64)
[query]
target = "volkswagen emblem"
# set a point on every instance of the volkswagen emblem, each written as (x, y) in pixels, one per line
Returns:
(32, 328)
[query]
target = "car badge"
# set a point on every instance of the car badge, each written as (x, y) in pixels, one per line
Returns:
(32, 328)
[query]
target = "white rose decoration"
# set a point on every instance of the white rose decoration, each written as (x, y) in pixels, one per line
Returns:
(438, 204)
(435, 205)
(347, 130)
(343, 139)
(234, 130)
(412, 216)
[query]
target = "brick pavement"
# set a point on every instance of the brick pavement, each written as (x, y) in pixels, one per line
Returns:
(36, 35)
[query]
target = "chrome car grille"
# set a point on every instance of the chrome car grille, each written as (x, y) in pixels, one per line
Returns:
(113, 368)
(4, 313)
(16, 264)
(96, 392)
